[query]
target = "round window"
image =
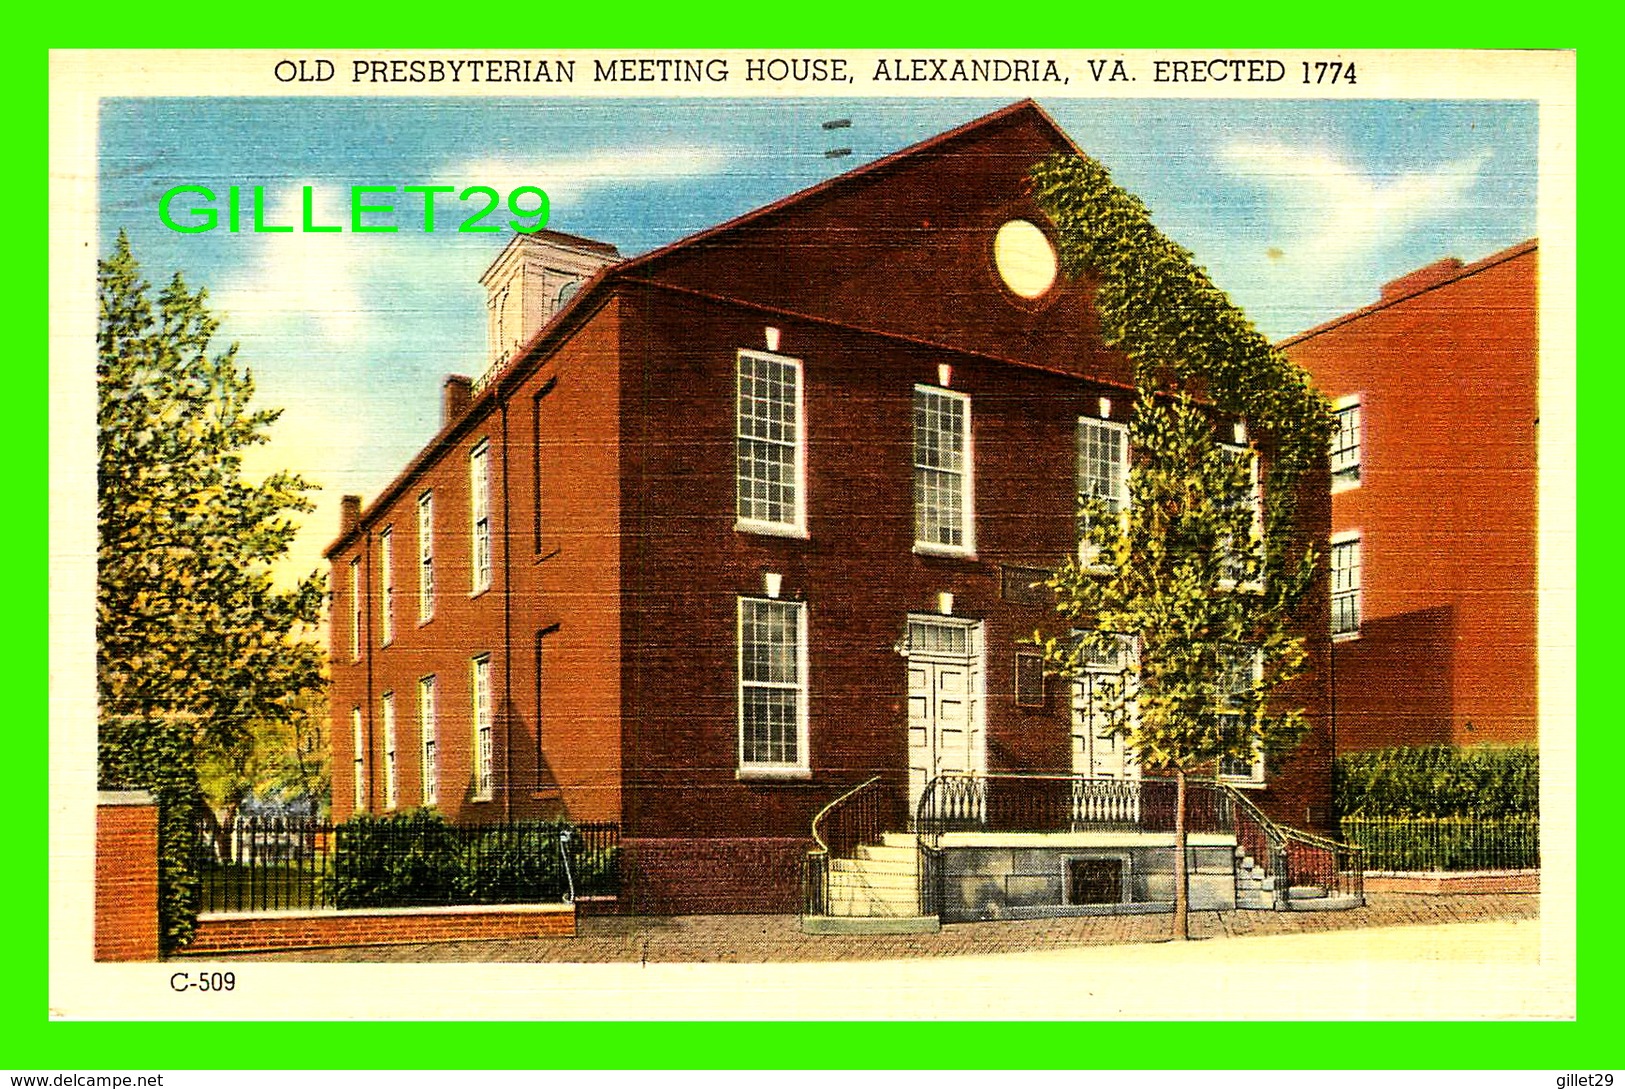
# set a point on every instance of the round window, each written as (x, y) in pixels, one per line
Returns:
(1025, 258)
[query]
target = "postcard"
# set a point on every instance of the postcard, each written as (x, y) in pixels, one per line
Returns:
(812, 535)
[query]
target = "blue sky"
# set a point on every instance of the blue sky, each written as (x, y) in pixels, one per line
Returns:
(1300, 210)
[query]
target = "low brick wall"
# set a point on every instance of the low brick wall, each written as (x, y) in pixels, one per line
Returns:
(1483, 882)
(671, 876)
(126, 876)
(245, 932)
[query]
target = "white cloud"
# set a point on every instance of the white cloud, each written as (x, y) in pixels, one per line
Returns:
(312, 277)
(567, 179)
(1328, 206)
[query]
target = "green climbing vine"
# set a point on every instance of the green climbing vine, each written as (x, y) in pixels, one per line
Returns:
(1159, 308)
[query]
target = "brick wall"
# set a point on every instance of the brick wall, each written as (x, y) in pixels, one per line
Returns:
(126, 876)
(704, 876)
(255, 931)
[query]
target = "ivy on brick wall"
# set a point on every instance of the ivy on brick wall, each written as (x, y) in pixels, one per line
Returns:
(156, 755)
(1180, 331)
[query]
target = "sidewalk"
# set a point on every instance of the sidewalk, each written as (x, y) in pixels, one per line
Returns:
(758, 939)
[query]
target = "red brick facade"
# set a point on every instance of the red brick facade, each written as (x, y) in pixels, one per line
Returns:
(618, 569)
(126, 877)
(1445, 371)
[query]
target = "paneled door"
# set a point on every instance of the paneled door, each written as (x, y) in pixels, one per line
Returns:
(945, 697)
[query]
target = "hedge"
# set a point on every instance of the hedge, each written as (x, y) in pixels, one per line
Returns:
(1439, 781)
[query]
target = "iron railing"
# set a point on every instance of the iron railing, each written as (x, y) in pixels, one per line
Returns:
(856, 817)
(1296, 859)
(1446, 843)
(1000, 802)
(279, 864)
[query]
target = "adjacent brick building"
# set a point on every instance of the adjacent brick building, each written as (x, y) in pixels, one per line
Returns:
(1434, 505)
(747, 520)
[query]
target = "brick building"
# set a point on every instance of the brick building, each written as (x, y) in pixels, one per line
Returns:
(735, 525)
(1434, 505)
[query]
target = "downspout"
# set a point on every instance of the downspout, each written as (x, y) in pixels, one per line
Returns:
(369, 765)
(507, 628)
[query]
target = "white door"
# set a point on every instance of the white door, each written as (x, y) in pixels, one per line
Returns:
(1096, 751)
(944, 702)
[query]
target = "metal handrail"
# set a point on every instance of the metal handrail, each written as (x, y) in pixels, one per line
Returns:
(818, 818)
(1280, 835)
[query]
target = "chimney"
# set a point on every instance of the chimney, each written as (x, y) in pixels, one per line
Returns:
(455, 394)
(530, 281)
(349, 513)
(1423, 278)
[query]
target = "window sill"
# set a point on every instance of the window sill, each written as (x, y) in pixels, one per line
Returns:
(1242, 782)
(770, 774)
(481, 592)
(1345, 485)
(771, 529)
(1346, 637)
(423, 621)
(947, 552)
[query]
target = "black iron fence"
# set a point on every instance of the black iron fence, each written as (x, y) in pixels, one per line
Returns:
(272, 864)
(1446, 843)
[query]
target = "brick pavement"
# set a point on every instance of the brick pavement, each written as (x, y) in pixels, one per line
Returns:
(778, 938)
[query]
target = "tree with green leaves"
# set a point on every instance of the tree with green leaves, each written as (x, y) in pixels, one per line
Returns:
(196, 644)
(1206, 585)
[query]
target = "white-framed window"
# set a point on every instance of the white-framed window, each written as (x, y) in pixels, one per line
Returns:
(386, 605)
(1254, 498)
(944, 488)
(425, 557)
(1345, 585)
(772, 688)
(770, 445)
(479, 491)
(391, 769)
(355, 609)
(1345, 453)
(358, 745)
(1241, 671)
(484, 763)
(1102, 472)
(427, 727)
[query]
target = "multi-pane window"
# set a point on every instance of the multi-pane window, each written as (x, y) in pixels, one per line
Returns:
(1346, 445)
(942, 471)
(1102, 472)
(1103, 463)
(479, 490)
(355, 609)
(391, 771)
(386, 563)
(483, 740)
(358, 745)
(1346, 585)
(1252, 496)
(427, 727)
(769, 456)
(772, 684)
(425, 556)
(1239, 673)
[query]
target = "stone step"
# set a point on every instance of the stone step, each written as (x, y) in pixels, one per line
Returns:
(873, 909)
(866, 880)
(873, 865)
(888, 854)
(1306, 892)
(1255, 900)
